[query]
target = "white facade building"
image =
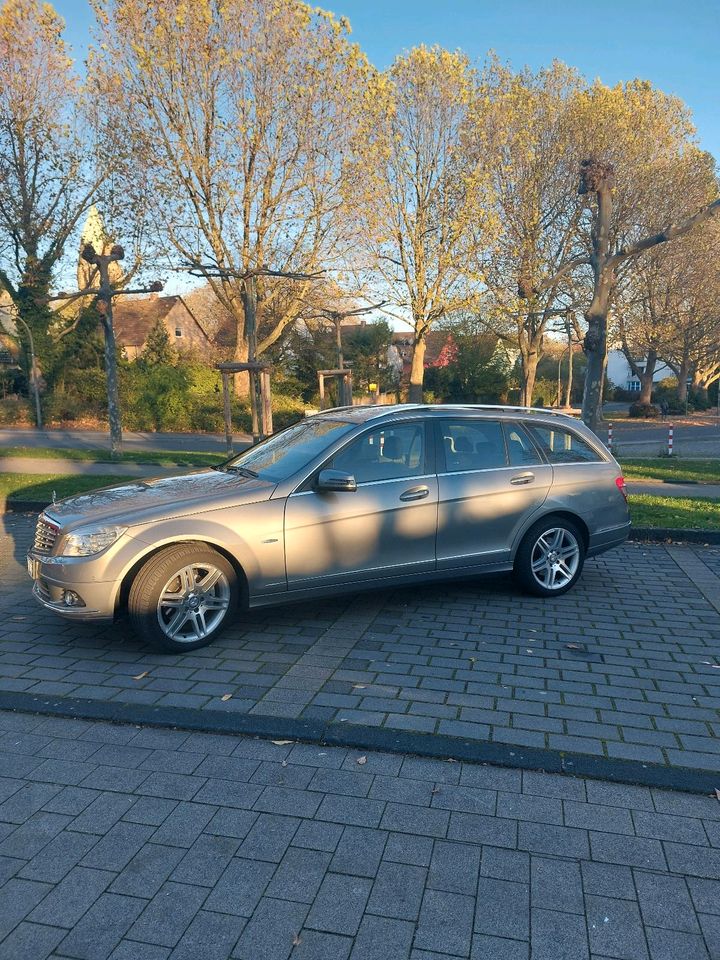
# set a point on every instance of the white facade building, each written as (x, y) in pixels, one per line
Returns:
(620, 374)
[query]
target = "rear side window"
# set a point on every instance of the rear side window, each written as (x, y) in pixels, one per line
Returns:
(472, 445)
(521, 450)
(563, 446)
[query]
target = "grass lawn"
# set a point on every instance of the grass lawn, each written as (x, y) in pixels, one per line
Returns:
(670, 468)
(681, 513)
(40, 486)
(163, 458)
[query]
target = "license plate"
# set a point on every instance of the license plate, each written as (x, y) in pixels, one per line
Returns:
(33, 568)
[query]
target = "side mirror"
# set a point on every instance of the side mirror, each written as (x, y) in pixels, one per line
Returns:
(336, 480)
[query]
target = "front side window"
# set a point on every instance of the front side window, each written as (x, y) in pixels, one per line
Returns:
(472, 445)
(388, 453)
(563, 446)
(283, 454)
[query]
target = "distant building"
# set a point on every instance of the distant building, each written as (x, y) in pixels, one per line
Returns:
(135, 318)
(620, 374)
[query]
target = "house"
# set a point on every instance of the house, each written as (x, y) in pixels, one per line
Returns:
(620, 374)
(133, 319)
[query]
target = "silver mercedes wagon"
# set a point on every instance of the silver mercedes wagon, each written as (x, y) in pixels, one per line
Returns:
(352, 498)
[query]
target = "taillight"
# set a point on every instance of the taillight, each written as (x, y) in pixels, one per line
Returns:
(620, 484)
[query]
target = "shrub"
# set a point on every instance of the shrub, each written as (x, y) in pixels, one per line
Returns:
(14, 410)
(646, 411)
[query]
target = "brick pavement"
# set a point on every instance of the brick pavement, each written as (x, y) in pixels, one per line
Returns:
(136, 843)
(623, 667)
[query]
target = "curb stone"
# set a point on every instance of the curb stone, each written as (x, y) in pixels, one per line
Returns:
(437, 746)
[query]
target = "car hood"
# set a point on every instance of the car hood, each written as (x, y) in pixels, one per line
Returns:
(157, 498)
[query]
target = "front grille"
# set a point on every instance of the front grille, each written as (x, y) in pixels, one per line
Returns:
(46, 534)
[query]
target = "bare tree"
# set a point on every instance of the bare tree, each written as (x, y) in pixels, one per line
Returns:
(418, 191)
(239, 113)
(46, 181)
(533, 163)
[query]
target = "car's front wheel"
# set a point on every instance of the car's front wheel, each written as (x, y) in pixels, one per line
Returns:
(183, 597)
(550, 558)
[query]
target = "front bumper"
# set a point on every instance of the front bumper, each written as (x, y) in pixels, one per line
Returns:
(51, 580)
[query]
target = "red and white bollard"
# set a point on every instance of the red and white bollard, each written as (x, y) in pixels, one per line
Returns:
(610, 438)
(670, 441)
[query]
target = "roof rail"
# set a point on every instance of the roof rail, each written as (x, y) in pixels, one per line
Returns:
(548, 411)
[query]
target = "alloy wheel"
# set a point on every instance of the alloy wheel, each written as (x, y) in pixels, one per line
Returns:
(555, 558)
(193, 602)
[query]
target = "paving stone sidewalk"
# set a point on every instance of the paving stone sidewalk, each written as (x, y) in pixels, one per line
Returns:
(144, 844)
(625, 666)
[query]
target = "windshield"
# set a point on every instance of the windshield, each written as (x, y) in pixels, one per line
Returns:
(285, 453)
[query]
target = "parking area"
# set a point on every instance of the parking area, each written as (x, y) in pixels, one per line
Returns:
(626, 667)
(135, 843)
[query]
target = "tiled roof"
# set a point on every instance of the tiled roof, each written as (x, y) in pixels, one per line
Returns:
(133, 319)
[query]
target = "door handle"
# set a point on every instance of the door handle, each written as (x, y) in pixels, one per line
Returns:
(415, 493)
(523, 478)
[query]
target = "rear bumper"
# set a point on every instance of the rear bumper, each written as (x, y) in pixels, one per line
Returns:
(607, 539)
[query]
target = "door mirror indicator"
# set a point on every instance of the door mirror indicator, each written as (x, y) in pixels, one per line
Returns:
(335, 480)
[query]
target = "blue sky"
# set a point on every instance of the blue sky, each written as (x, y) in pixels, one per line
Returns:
(674, 44)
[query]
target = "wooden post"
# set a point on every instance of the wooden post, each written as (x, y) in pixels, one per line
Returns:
(227, 410)
(267, 425)
(321, 382)
(348, 390)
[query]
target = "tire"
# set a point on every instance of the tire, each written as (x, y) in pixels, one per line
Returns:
(183, 597)
(550, 558)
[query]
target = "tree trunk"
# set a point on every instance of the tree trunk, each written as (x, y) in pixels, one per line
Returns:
(646, 377)
(598, 181)
(529, 360)
(417, 371)
(682, 372)
(596, 352)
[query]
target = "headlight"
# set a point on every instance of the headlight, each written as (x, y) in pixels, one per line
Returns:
(85, 543)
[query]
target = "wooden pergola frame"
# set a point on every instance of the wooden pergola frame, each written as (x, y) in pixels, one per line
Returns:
(259, 374)
(344, 377)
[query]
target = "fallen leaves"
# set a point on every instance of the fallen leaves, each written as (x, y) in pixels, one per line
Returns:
(282, 743)
(141, 676)
(717, 794)
(225, 697)
(361, 760)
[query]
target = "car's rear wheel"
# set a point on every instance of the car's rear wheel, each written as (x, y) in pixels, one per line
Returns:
(183, 597)
(550, 558)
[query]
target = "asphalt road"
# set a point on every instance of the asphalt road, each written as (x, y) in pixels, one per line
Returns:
(99, 440)
(644, 438)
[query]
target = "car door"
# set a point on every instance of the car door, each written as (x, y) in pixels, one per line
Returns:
(385, 527)
(491, 479)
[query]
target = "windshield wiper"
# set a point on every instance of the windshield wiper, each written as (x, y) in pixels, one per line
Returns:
(245, 471)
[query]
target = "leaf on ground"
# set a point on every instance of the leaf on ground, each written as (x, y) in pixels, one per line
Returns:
(282, 743)
(297, 940)
(575, 646)
(472, 659)
(358, 686)
(141, 676)
(361, 760)
(717, 794)
(226, 696)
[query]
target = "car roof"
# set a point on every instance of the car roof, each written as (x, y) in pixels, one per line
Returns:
(371, 412)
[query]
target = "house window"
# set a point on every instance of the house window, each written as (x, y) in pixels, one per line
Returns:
(178, 332)
(633, 386)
